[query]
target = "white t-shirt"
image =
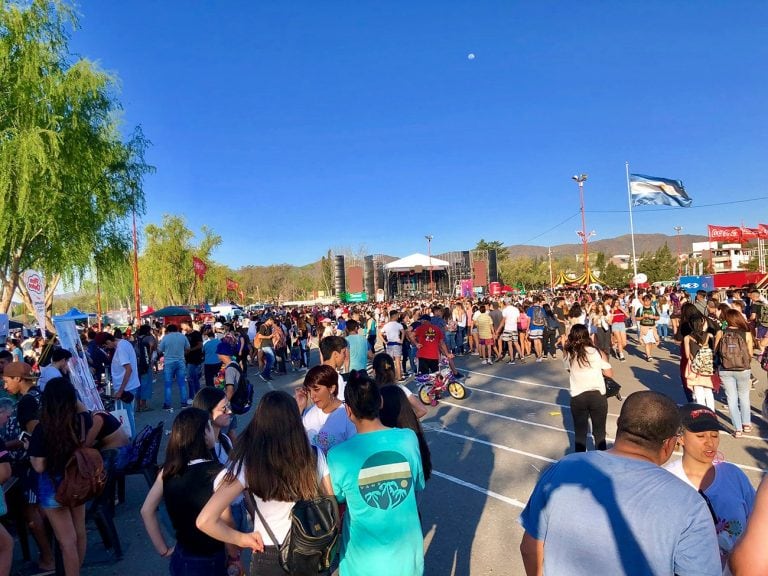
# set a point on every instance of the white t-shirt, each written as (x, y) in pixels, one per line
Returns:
(732, 497)
(589, 377)
(392, 331)
(276, 513)
(124, 354)
(510, 315)
(327, 430)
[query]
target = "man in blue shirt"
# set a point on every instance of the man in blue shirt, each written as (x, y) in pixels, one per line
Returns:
(618, 511)
(173, 346)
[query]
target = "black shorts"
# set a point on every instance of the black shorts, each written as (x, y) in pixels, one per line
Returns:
(427, 365)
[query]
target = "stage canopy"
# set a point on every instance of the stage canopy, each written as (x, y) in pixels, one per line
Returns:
(415, 261)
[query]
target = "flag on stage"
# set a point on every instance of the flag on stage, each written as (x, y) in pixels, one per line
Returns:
(649, 190)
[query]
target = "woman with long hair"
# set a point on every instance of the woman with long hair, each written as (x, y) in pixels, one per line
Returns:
(64, 424)
(701, 382)
(618, 316)
(274, 460)
(384, 375)
(601, 327)
(371, 331)
(396, 412)
(184, 484)
(326, 419)
(587, 366)
(726, 489)
(735, 339)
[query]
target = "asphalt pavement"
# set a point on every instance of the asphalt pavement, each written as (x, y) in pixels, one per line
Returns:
(488, 451)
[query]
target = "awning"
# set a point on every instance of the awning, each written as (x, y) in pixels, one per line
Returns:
(417, 261)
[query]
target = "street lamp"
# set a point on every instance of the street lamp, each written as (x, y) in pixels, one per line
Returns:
(580, 179)
(679, 229)
(429, 255)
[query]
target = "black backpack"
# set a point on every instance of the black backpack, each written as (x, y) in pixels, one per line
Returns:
(733, 351)
(310, 546)
(242, 399)
(143, 360)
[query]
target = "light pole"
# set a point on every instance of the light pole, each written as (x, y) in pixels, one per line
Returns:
(580, 179)
(429, 255)
(679, 229)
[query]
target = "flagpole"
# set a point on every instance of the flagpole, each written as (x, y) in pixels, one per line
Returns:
(631, 229)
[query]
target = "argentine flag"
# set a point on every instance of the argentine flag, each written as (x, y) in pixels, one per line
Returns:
(649, 190)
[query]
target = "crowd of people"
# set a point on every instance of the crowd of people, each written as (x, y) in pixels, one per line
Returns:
(351, 431)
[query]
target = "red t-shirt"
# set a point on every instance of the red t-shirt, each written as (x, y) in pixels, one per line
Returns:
(429, 336)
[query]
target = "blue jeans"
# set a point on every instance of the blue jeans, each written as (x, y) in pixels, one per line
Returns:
(663, 330)
(194, 372)
(450, 341)
(461, 333)
(737, 386)
(269, 361)
(185, 564)
(147, 380)
(175, 369)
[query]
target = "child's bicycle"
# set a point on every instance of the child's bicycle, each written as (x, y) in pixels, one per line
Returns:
(432, 386)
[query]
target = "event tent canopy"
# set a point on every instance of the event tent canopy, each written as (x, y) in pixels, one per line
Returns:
(73, 314)
(417, 261)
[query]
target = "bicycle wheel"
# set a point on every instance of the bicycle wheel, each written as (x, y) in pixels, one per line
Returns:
(457, 390)
(424, 395)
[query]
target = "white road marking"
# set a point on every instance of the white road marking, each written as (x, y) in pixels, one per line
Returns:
(516, 380)
(483, 391)
(570, 432)
(476, 488)
(430, 428)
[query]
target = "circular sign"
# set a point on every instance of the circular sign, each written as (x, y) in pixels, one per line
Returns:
(640, 278)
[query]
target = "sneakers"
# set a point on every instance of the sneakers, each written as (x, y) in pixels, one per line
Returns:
(511, 362)
(166, 406)
(622, 358)
(539, 359)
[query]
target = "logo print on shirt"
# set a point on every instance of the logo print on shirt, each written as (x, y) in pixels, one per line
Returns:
(385, 480)
(430, 334)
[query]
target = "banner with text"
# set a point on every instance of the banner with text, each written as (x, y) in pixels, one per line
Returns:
(33, 280)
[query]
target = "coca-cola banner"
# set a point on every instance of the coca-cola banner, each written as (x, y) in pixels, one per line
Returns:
(748, 234)
(763, 231)
(725, 233)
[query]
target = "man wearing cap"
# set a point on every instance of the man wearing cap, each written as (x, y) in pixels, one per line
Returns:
(618, 511)
(18, 379)
(429, 341)
(58, 367)
(125, 373)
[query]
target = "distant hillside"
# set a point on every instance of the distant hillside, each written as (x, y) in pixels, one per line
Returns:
(611, 246)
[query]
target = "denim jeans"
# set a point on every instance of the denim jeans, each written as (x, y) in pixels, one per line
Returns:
(194, 372)
(461, 334)
(737, 386)
(450, 341)
(663, 330)
(147, 380)
(175, 369)
(185, 564)
(269, 361)
(128, 407)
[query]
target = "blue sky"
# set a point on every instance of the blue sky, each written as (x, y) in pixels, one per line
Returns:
(294, 127)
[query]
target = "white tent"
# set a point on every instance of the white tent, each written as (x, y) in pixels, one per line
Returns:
(415, 261)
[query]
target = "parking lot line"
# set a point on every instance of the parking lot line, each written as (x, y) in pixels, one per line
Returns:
(476, 488)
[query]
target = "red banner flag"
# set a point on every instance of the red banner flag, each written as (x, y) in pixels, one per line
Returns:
(762, 230)
(232, 285)
(725, 233)
(748, 234)
(200, 267)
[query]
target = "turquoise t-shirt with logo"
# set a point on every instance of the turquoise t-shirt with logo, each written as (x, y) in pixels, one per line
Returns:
(377, 474)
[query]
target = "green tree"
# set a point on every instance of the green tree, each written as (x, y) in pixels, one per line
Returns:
(662, 265)
(599, 263)
(614, 277)
(67, 179)
(166, 269)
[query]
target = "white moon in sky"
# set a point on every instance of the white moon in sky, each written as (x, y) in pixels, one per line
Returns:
(471, 56)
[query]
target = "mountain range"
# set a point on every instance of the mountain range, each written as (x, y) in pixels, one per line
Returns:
(611, 246)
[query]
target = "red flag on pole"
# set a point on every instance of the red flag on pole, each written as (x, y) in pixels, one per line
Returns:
(200, 267)
(748, 234)
(762, 230)
(724, 233)
(232, 285)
